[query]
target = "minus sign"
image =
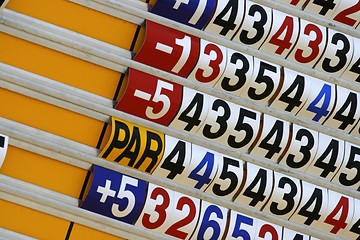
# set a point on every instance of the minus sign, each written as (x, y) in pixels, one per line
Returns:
(142, 95)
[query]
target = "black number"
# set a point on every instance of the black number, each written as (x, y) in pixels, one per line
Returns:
(356, 228)
(348, 119)
(176, 167)
(197, 103)
(258, 26)
(297, 85)
(274, 147)
(240, 73)
(356, 69)
(340, 53)
(242, 126)
(226, 174)
(351, 163)
(288, 197)
(312, 215)
(333, 149)
(229, 24)
(258, 195)
(305, 149)
(298, 237)
(261, 78)
(221, 120)
(326, 5)
(2, 142)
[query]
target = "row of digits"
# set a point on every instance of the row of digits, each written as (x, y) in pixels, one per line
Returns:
(169, 212)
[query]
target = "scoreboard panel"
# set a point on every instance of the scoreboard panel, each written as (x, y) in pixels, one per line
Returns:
(247, 110)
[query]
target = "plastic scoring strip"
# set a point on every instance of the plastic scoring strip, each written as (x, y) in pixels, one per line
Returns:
(4, 142)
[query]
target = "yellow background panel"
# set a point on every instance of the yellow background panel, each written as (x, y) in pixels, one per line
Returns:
(58, 66)
(79, 19)
(43, 171)
(80, 232)
(50, 118)
(31, 223)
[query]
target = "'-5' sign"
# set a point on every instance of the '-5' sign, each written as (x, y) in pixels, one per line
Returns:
(134, 146)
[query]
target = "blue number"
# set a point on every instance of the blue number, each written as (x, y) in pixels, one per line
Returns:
(207, 223)
(208, 162)
(190, 12)
(241, 232)
(104, 196)
(323, 110)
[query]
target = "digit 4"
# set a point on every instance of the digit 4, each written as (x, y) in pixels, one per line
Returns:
(257, 188)
(193, 111)
(175, 160)
(346, 112)
(320, 101)
(202, 168)
(339, 213)
(328, 158)
(273, 140)
(227, 18)
(324, 8)
(283, 35)
(312, 207)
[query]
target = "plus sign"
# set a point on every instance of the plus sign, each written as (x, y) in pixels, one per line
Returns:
(106, 191)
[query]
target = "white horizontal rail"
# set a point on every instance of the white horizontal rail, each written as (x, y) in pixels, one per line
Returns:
(340, 27)
(77, 104)
(123, 6)
(124, 60)
(7, 234)
(36, 199)
(50, 201)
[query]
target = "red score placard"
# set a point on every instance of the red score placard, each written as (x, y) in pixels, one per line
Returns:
(168, 49)
(150, 98)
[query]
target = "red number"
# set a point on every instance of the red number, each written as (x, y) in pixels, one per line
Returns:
(343, 16)
(214, 64)
(160, 209)
(267, 228)
(314, 44)
(173, 230)
(288, 26)
(343, 206)
(294, 2)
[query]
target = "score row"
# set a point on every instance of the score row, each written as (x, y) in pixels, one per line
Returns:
(292, 38)
(4, 142)
(198, 167)
(165, 211)
(227, 17)
(188, 56)
(185, 109)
